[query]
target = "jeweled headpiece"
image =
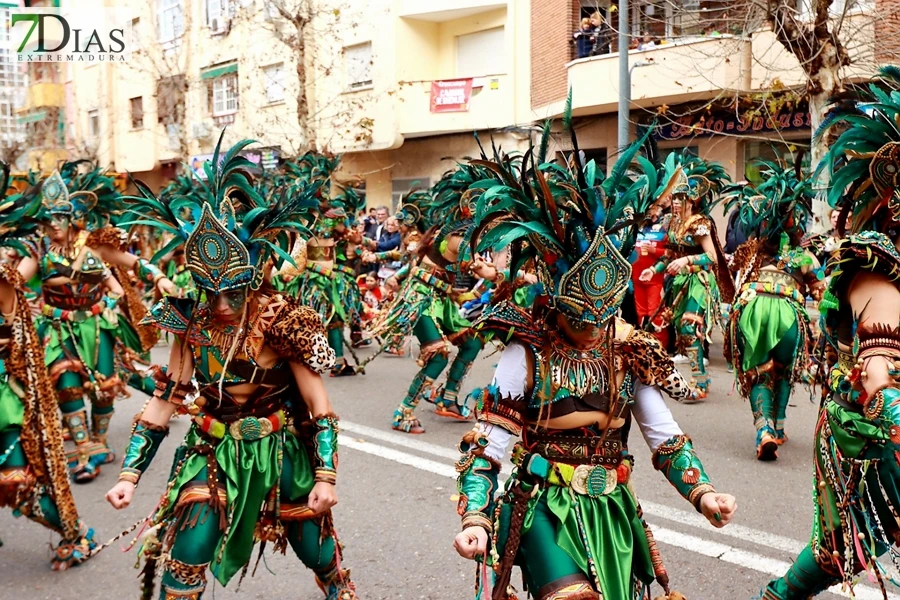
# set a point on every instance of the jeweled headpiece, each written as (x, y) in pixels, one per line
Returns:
(701, 181)
(864, 161)
(229, 230)
(575, 226)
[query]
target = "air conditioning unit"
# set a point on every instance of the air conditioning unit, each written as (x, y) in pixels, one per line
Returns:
(201, 131)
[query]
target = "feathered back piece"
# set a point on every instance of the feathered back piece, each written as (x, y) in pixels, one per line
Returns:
(780, 204)
(229, 230)
(20, 213)
(574, 224)
(702, 181)
(864, 161)
(415, 206)
(82, 194)
(349, 200)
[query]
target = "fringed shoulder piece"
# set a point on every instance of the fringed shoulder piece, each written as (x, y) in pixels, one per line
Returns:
(506, 321)
(646, 357)
(698, 226)
(867, 251)
(108, 236)
(297, 335)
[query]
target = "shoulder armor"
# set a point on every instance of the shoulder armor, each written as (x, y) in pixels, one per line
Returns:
(173, 315)
(297, 335)
(646, 357)
(698, 226)
(507, 321)
(107, 236)
(867, 251)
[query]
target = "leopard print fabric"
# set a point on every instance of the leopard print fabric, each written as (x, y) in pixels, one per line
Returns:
(108, 236)
(649, 361)
(297, 334)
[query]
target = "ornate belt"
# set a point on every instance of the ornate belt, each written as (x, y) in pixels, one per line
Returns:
(345, 270)
(576, 450)
(247, 429)
(430, 279)
(62, 314)
(319, 269)
(587, 480)
(319, 252)
(66, 301)
(775, 289)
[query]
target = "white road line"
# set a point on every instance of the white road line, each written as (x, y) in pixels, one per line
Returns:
(705, 547)
(742, 558)
(651, 509)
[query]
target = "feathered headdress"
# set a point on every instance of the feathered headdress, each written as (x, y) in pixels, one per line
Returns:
(701, 181)
(864, 161)
(229, 230)
(574, 224)
(414, 206)
(88, 200)
(20, 213)
(780, 204)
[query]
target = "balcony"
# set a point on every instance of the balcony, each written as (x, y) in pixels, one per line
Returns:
(489, 106)
(669, 74)
(45, 95)
(439, 11)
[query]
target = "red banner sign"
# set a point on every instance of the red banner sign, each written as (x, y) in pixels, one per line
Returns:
(451, 95)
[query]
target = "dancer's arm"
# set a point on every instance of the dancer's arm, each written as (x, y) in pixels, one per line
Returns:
(143, 268)
(483, 449)
(875, 301)
(152, 425)
(673, 454)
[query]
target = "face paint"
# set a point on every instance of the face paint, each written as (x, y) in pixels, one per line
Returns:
(234, 300)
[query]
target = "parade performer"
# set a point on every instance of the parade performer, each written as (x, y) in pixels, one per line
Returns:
(259, 461)
(572, 380)
(348, 262)
(694, 260)
(317, 282)
(79, 325)
(34, 479)
(767, 339)
(857, 439)
(426, 304)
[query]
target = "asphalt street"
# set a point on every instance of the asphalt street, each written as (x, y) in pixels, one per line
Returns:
(397, 511)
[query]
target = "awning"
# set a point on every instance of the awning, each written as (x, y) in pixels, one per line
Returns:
(219, 71)
(33, 117)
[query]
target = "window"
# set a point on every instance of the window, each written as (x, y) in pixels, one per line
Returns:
(12, 87)
(170, 94)
(170, 20)
(94, 123)
(218, 12)
(274, 76)
(358, 66)
(137, 112)
(225, 95)
(401, 187)
(481, 53)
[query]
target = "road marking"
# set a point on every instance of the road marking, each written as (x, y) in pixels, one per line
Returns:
(705, 547)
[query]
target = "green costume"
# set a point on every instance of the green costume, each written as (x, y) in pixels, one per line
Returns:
(245, 470)
(34, 480)
(857, 439)
(692, 296)
(767, 339)
(568, 515)
(425, 306)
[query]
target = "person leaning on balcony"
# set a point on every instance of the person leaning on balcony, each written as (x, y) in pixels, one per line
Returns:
(602, 35)
(584, 39)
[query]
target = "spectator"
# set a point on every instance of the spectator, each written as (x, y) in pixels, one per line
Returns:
(602, 35)
(646, 42)
(584, 39)
(710, 31)
(735, 235)
(375, 226)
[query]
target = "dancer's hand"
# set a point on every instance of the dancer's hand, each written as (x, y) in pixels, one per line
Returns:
(120, 495)
(718, 508)
(471, 542)
(166, 287)
(322, 497)
(392, 284)
(646, 275)
(677, 266)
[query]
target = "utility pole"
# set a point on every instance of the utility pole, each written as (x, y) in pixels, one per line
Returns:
(624, 77)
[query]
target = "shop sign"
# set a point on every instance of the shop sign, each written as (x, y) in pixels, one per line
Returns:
(265, 158)
(730, 123)
(451, 95)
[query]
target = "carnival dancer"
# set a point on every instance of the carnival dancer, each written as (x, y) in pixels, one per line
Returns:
(259, 461)
(857, 439)
(426, 305)
(571, 381)
(767, 339)
(694, 260)
(79, 324)
(348, 262)
(34, 479)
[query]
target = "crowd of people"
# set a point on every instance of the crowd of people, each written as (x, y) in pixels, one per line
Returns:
(264, 281)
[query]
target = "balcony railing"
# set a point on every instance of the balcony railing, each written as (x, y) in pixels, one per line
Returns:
(488, 107)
